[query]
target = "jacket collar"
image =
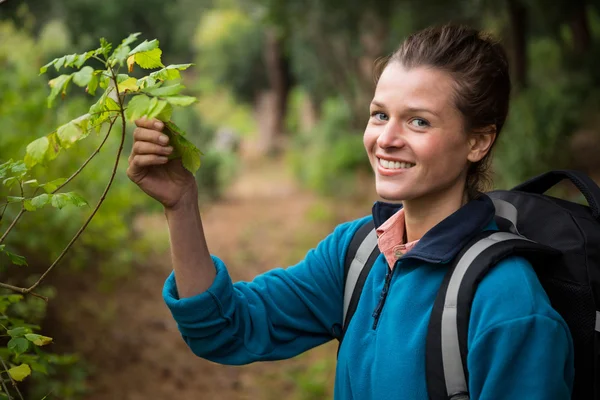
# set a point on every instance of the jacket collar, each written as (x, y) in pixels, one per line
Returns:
(443, 242)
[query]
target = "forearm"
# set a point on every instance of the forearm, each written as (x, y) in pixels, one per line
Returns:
(193, 266)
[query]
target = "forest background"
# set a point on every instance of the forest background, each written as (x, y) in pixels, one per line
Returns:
(283, 89)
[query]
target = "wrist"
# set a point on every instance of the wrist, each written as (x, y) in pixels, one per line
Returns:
(187, 203)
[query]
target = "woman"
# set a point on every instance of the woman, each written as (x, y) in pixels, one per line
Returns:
(440, 103)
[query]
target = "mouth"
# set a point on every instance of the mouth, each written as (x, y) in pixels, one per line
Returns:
(394, 165)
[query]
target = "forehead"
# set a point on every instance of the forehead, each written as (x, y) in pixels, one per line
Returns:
(420, 87)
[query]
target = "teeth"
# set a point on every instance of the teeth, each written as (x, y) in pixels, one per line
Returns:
(395, 164)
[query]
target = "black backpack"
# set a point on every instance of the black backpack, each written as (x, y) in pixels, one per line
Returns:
(561, 239)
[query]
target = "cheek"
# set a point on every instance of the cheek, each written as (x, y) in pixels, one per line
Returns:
(444, 152)
(370, 138)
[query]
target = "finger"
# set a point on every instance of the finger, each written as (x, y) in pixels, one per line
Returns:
(148, 135)
(150, 123)
(147, 160)
(150, 148)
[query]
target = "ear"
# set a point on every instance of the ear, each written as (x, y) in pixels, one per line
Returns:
(480, 143)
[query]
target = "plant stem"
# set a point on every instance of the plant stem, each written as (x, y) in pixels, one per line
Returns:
(12, 225)
(5, 388)
(11, 379)
(106, 189)
(89, 158)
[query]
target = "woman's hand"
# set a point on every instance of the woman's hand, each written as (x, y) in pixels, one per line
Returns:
(149, 167)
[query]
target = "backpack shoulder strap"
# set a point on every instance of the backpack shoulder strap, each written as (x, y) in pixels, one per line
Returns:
(446, 345)
(360, 257)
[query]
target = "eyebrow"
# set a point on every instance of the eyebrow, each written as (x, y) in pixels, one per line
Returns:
(409, 109)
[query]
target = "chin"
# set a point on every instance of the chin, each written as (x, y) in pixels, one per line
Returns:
(391, 194)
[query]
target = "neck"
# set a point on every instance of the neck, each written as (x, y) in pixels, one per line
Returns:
(422, 214)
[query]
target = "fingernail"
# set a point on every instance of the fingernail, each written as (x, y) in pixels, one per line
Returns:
(158, 125)
(164, 139)
(168, 150)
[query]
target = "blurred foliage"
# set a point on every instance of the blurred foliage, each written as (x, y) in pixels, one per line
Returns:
(24, 116)
(329, 47)
(327, 157)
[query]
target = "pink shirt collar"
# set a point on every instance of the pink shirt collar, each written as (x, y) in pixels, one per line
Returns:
(390, 238)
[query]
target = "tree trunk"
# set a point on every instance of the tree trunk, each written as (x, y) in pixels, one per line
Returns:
(278, 75)
(518, 28)
(580, 27)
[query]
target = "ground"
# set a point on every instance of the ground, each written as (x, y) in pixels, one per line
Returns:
(129, 338)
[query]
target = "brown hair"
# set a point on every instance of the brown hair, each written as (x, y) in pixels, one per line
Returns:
(479, 66)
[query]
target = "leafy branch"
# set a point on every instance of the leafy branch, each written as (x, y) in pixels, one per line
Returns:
(121, 97)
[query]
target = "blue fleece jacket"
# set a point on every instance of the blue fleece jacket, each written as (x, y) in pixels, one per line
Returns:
(519, 346)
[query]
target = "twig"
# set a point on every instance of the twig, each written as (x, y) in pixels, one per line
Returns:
(89, 158)
(30, 289)
(22, 291)
(23, 210)
(12, 225)
(106, 189)
(5, 388)
(12, 380)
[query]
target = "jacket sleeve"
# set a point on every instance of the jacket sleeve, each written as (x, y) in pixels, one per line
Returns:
(278, 315)
(526, 358)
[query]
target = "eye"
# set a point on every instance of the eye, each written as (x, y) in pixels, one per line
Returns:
(379, 116)
(419, 123)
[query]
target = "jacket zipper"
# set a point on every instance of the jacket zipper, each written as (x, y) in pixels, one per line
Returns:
(382, 297)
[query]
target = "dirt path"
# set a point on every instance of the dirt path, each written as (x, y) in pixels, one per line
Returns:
(264, 221)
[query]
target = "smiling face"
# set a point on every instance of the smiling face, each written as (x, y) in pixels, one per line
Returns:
(415, 137)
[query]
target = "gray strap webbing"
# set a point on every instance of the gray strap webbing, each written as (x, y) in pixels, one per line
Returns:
(598, 321)
(362, 255)
(506, 210)
(452, 362)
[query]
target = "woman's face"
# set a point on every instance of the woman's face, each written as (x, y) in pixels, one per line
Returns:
(415, 136)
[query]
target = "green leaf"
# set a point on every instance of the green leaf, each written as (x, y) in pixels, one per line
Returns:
(18, 332)
(137, 107)
(181, 100)
(51, 186)
(60, 200)
(157, 107)
(165, 114)
(69, 133)
(83, 77)
(37, 202)
(149, 59)
(59, 62)
(170, 72)
(58, 85)
(103, 109)
(128, 85)
(44, 69)
(38, 340)
(82, 58)
(70, 60)
(53, 147)
(171, 126)
(130, 39)
(190, 155)
(9, 182)
(145, 46)
(18, 345)
(16, 259)
(162, 91)
(104, 48)
(122, 51)
(36, 151)
(93, 83)
(32, 182)
(14, 199)
(19, 373)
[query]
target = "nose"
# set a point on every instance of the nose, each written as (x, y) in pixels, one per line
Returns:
(392, 136)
